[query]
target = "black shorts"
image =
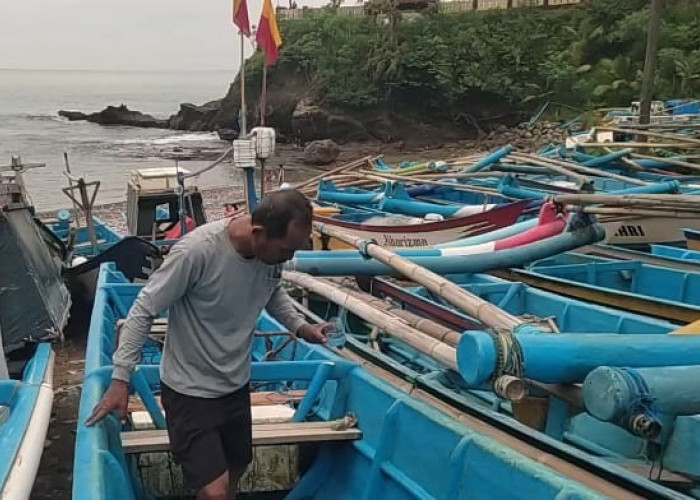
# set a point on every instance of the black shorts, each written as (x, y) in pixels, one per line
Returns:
(208, 436)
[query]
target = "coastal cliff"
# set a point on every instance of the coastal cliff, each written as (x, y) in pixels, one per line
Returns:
(439, 76)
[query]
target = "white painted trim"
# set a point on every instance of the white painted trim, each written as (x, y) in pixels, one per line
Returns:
(20, 480)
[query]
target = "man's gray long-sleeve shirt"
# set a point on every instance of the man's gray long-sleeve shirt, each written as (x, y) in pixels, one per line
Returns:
(213, 297)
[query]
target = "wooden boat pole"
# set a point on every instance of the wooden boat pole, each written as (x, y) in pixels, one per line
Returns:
(476, 307)
(553, 165)
(637, 212)
(456, 187)
(639, 145)
(628, 200)
(342, 168)
(391, 324)
(668, 161)
(582, 168)
(658, 135)
(427, 326)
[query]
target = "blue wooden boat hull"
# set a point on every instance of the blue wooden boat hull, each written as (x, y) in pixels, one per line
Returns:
(670, 286)
(583, 432)
(408, 449)
(572, 317)
(23, 433)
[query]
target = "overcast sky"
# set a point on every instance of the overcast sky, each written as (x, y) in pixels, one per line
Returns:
(122, 34)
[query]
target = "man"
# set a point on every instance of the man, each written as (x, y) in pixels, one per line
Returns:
(214, 284)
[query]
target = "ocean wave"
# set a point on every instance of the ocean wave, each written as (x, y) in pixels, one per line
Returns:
(174, 139)
(197, 136)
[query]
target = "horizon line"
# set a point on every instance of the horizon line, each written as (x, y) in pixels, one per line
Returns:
(114, 70)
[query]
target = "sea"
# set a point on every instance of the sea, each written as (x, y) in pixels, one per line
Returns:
(31, 128)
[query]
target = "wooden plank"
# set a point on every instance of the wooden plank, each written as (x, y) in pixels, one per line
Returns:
(256, 399)
(263, 434)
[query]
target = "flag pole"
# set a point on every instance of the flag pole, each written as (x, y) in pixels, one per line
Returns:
(263, 95)
(244, 125)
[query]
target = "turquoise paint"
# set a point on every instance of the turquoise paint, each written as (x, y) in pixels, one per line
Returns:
(630, 278)
(354, 263)
(610, 393)
(409, 465)
(490, 159)
(567, 359)
(20, 396)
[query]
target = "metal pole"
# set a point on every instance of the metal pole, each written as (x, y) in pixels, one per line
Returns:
(70, 184)
(87, 206)
(241, 74)
(263, 96)
(650, 62)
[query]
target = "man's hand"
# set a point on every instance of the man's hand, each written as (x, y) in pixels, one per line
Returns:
(316, 334)
(116, 398)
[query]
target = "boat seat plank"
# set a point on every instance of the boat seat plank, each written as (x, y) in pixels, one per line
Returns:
(263, 434)
(256, 399)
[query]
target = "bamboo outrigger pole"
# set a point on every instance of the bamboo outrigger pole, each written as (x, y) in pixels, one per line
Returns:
(476, 307)
(391, 324)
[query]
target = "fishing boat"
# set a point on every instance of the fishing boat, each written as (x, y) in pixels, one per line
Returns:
(365, 437)
(629, 284)
(419, 235)
(34, 309)
(658, 255)
(557, 411)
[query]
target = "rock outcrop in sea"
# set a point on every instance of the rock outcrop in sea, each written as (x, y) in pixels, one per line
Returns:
(117, 115)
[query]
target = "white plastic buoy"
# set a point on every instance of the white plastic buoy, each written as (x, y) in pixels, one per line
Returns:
(264, 138)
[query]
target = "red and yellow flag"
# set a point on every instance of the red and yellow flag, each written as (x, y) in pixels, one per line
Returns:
(240, 16)
(268, 37)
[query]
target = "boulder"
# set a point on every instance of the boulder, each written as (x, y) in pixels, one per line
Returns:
(193, 117)
(311, 122)
(321, 152)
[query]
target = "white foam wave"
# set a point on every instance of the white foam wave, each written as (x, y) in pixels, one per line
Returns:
(174, 139)
(198, 136)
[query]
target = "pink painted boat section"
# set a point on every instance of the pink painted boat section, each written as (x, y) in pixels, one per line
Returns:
(551, 223)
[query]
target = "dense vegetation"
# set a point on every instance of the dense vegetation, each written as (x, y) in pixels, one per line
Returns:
(578, 58)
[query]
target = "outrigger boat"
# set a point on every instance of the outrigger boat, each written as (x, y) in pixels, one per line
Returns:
(631, 285)
(563, 412)
(34, 308)
(364, 436)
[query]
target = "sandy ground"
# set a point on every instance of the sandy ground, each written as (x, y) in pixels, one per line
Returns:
(55, 477)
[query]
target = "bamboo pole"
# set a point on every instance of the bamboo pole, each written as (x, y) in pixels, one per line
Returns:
(559, 167)
(668, 161)
(427, 326)
(391, 324)
(456, 187)
(631, 199)
(636, 212)
(582, 168)
(657, 135)
(342, 168)
(640, 145)
(474, 306)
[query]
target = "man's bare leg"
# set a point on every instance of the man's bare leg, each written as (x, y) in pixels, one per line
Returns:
(218, 489)
(233, 477)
